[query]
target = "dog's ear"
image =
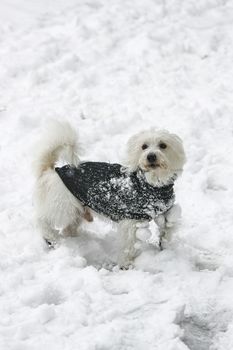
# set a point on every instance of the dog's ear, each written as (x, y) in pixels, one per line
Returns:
(132, 152)
(178, 143)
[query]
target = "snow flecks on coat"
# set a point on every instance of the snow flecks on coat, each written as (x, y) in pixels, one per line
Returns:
(114, 193)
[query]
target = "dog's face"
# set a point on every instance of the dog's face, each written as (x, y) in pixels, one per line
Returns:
(158, 153)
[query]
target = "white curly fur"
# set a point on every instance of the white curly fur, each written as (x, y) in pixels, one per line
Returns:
(170, 160)
(58, 212)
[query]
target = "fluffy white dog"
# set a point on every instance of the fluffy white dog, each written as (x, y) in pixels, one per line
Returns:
(135, 193)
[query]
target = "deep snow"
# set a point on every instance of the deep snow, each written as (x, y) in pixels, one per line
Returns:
(114, 68)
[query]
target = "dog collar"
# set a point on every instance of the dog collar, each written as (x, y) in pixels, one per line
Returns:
(109, 190)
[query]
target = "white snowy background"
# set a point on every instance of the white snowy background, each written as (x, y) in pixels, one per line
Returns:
(113, 68)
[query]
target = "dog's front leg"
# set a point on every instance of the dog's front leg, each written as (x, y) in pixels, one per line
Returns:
(127, 234)
(161, 223)
(167, 221)
(172, 216)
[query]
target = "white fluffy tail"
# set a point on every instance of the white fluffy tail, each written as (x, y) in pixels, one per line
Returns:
(59, 138)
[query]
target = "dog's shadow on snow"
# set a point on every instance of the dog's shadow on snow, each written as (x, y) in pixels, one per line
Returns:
(99, 245)
(99, 250)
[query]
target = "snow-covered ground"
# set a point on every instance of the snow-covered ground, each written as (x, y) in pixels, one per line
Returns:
(113, 68)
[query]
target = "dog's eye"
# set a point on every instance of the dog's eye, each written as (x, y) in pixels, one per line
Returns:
(162, 145)
(144, 146)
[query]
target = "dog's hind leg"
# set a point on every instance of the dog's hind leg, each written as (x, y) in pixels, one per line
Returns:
(71, 230)
(50, 235)
(87, 215)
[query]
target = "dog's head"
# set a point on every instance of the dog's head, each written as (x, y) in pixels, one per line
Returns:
(158, 153)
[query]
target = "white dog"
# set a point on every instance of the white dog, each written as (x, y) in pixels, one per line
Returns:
(137, 192)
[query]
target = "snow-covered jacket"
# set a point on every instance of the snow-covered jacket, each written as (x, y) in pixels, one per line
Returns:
(111, 191)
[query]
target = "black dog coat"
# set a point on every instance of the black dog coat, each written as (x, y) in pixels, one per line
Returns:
(109, 190)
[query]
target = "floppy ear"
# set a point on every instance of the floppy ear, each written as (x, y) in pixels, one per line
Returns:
(180, 148)
(132, 152)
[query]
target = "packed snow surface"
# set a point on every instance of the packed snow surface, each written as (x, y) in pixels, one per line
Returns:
(113, 68)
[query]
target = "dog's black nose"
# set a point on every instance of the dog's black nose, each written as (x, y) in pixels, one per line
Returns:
(151, 158)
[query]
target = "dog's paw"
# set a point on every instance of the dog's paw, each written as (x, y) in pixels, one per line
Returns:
(51, 244)
(126, 266)
(125, 262)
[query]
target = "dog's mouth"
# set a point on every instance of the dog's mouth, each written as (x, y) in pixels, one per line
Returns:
(154, 166)
(151, 166)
